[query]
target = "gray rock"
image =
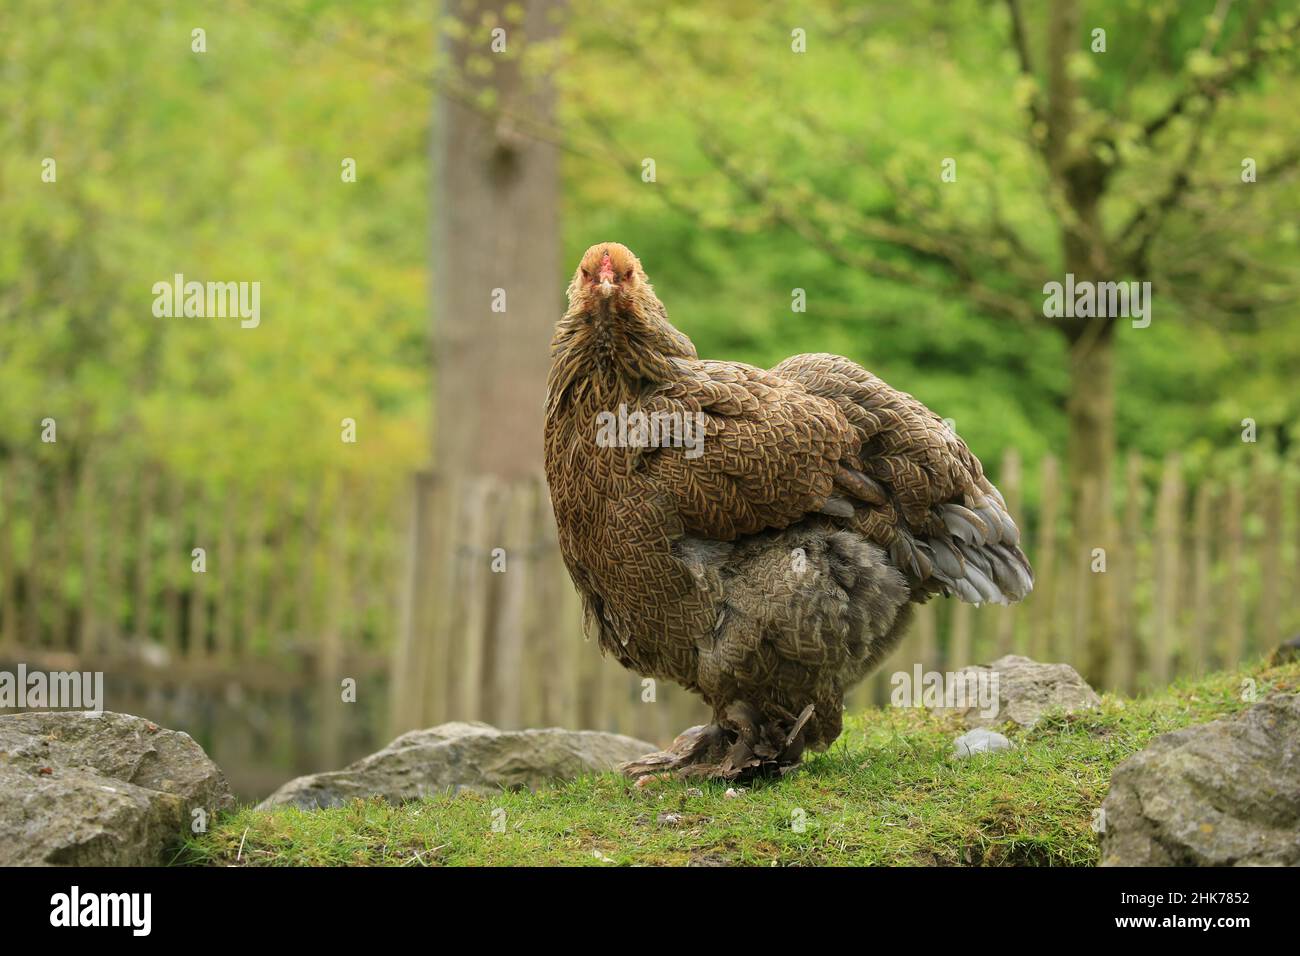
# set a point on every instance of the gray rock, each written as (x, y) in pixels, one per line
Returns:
(1027, 690)
(462, 756)
(980, 741)
(85, 789)
(1226, 793)
(1286, 652)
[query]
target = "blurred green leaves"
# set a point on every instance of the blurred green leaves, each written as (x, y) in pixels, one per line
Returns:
(226, 166)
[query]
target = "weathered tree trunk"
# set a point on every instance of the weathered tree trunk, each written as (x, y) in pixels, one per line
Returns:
(1090, 408)
(1090, 414)
(1090, 453)
(1079, 181)
(496, 292)
(496, 245)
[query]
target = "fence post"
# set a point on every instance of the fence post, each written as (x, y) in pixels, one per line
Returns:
(62, 614)
(9, 624)
(510, 592)
(959, 635)
(196, 647)
(172, 569)
(413, 651)
(251, 582)
(1124, 654)
(1233, 607)
(1085, 652)
(1169, 511)
(1267, 632)
(1009, 483)
(469, 553)
(34, 592)
(115, 572)
(329, 656)
(1199, 625)
(227, 570)
(1043, 619)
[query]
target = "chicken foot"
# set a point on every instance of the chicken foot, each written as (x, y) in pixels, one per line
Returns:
(739, 745)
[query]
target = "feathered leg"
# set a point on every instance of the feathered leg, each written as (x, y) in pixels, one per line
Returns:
(738, 745)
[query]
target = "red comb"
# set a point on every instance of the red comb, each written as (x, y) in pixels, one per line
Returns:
(604, 262)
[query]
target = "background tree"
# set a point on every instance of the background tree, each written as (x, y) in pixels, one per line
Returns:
(495, 298)
(496, 253)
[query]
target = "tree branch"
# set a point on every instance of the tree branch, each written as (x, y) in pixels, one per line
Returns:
(1147, 221)
(1020, 42)
(1212, 88)
(959, 268)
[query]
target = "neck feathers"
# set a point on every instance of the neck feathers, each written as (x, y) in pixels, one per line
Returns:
(613, 349)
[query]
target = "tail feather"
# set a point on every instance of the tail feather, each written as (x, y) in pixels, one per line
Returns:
(979, 559)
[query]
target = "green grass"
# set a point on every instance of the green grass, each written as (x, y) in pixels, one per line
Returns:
(888, 792)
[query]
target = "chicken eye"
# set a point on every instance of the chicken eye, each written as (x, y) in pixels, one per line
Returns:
(627, 275)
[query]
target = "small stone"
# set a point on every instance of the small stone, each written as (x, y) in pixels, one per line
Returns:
(670, 819)
(980, 741)
(732, 793)
(694, 792)
(1286, 652)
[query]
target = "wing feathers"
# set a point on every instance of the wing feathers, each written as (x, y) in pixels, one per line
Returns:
(819, 434)
(935, 496)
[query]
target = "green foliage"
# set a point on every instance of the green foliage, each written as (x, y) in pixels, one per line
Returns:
(226, 166)
(851, 134)
(223, 166)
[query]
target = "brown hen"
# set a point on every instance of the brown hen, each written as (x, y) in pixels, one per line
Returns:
(757, 536)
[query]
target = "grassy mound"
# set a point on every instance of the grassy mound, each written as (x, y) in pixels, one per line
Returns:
(889, 791)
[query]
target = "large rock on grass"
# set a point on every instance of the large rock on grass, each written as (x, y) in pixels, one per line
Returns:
(1226, 793)
(82, 788)
(1026, 690)
(462, 756)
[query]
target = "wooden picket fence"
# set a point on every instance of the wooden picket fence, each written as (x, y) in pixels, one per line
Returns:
(452, 603)
(492, 627)
(1182, 582)
(248, 655)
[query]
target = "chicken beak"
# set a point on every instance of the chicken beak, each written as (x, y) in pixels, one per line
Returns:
(606, 284)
